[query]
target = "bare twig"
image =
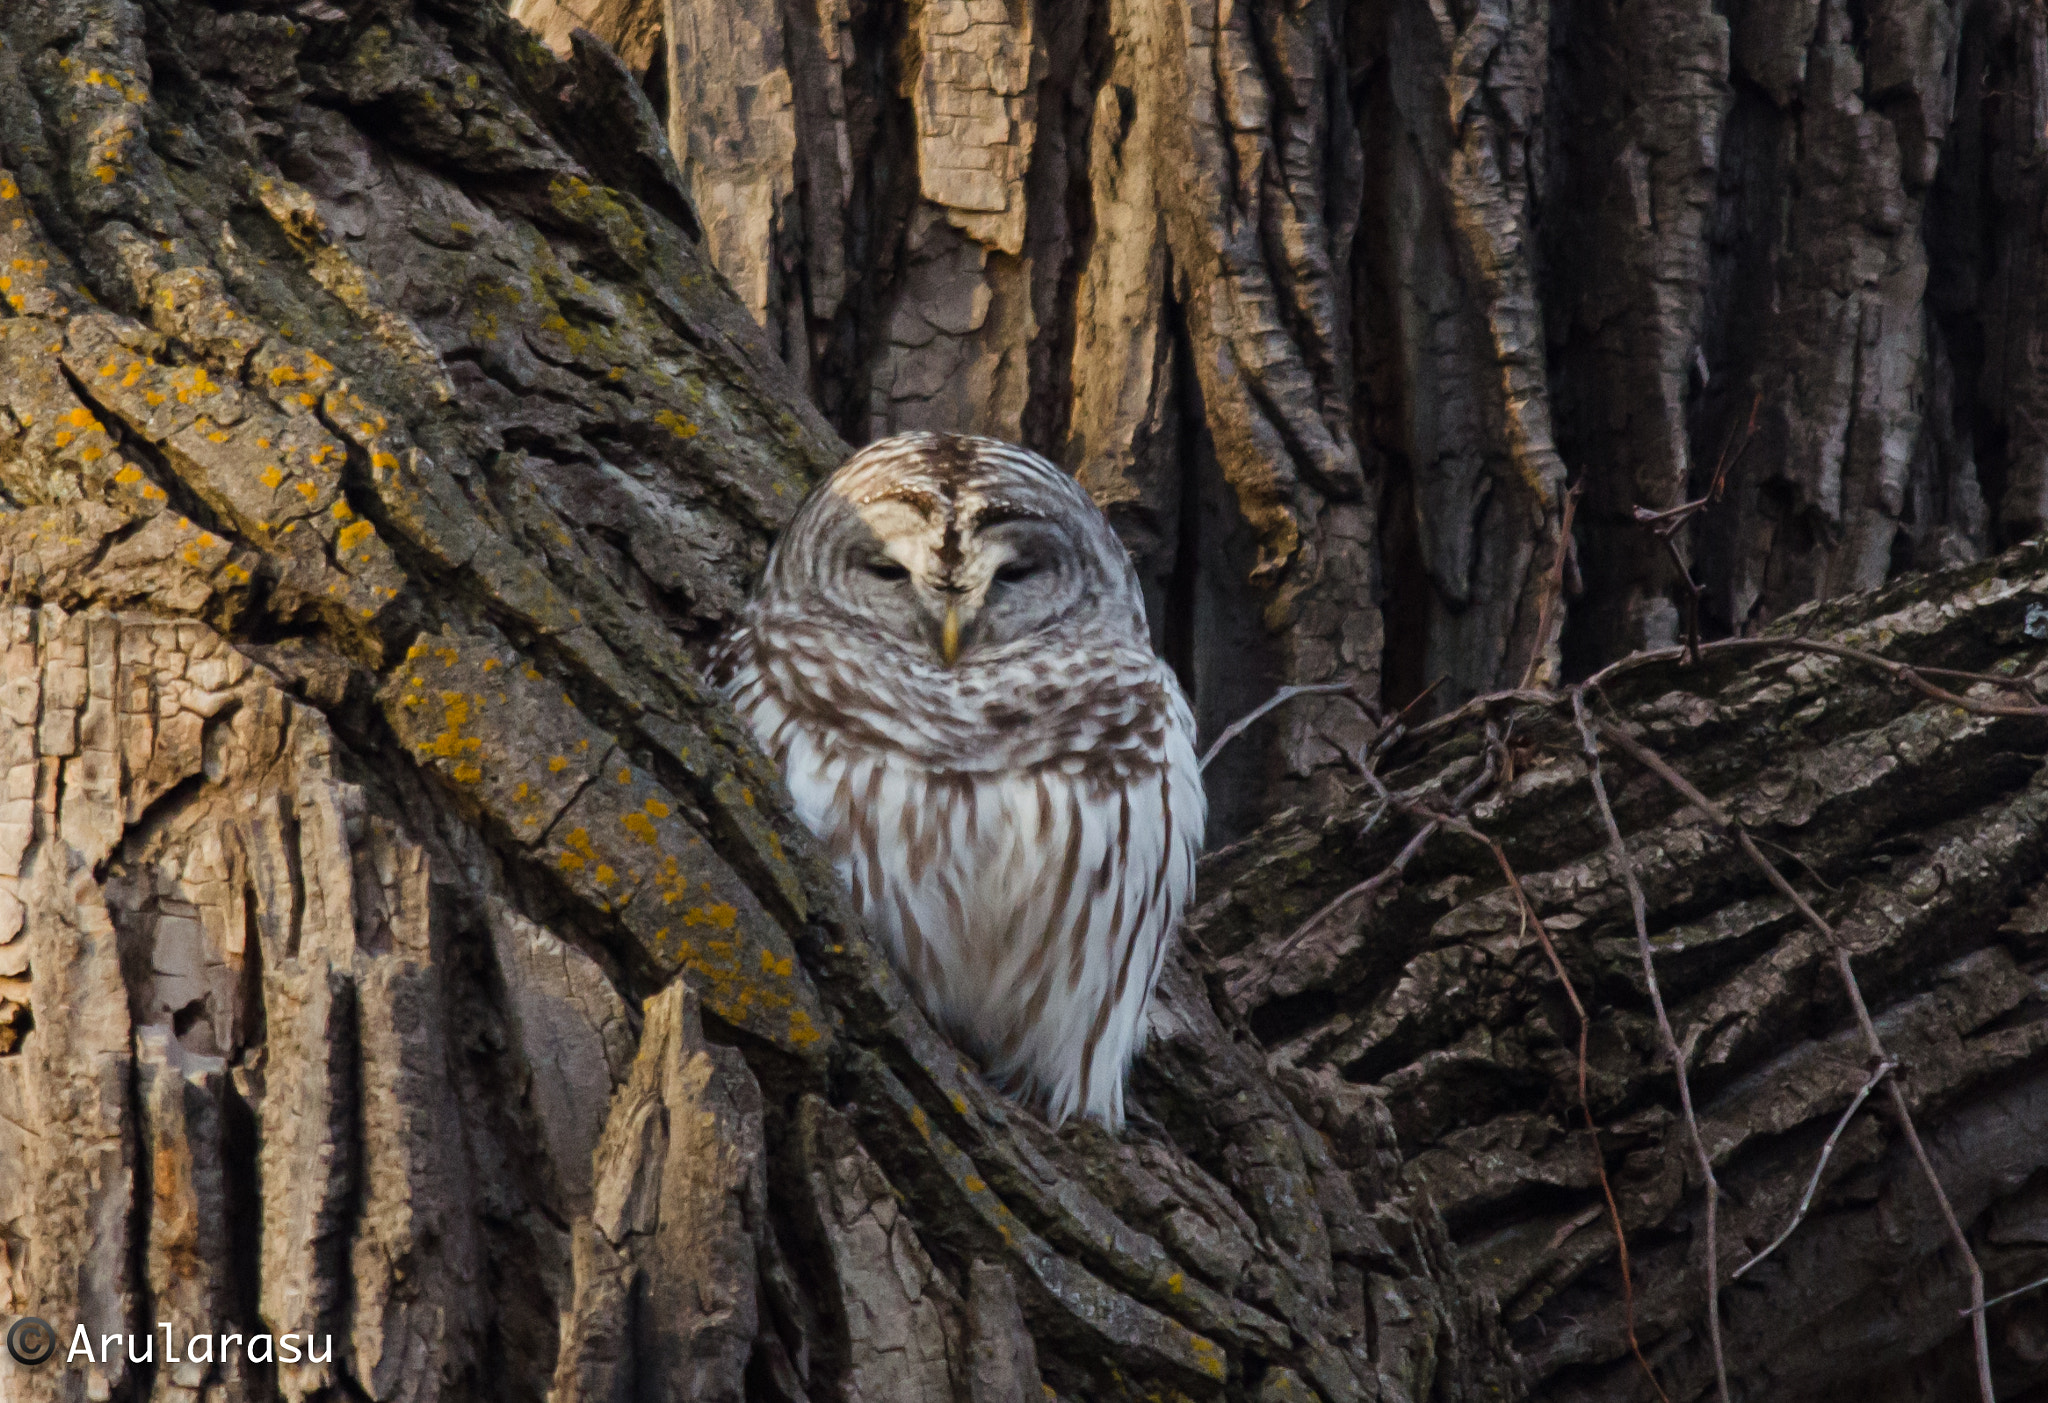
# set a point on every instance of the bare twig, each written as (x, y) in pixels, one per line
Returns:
(1370, 887)
(1530, 921)
(1665, 525)
(1365, 889)
(1884, 1069)
(1640, 907)
(1721, 820)
(1906, 673)
(1274, 703)
(1553, 584)
(2005, 1296)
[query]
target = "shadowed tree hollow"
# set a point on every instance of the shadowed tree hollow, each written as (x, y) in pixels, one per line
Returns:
(400, 944)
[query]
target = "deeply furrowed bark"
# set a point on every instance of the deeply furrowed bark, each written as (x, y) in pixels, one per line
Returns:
(398, 942)
(1336, 296)
(1922, 832)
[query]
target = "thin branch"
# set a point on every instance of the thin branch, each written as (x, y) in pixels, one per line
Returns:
(1720, 819)
(1626, 866)
(1274, 703)
(1884, 1069)
(2000, 1299)
(1366, 888)
(1370, 887)
(1553, 584)
(1530, 921)
(1665, 525)
(1906, 673)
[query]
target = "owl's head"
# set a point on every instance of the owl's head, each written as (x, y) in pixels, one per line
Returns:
(956, 549)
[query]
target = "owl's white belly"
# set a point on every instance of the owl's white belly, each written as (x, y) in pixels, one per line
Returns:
(1030, 911)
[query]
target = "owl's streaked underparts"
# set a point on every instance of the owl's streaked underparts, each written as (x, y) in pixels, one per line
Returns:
(947, 655)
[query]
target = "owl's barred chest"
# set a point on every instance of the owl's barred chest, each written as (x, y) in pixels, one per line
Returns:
(1016, 900)
(993, 790)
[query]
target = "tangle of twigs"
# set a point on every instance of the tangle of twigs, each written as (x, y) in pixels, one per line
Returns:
(2027, 703)
(1872, 1042)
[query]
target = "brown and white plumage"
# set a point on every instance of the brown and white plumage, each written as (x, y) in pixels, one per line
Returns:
(948, 656)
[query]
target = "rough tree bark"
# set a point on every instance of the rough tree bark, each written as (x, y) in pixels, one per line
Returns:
(398, 943)
(1338, 295)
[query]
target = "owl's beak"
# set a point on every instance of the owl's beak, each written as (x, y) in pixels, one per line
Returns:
(949, 634)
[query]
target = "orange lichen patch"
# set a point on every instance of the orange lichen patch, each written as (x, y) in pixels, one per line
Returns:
(198, 385)
(450, 709)
(271, 477)
(451, 742)
(340, 512)
(771, 965)
(128, 475)
(354, 534)
(577, 854)
(675, 423)
(721, 915)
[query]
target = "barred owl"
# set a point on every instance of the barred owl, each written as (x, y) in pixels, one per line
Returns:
(947, 655)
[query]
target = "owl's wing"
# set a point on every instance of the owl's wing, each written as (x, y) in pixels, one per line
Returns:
(1098, 875)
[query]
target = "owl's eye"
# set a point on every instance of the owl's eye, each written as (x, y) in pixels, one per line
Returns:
(887, 570)
(1016, 570)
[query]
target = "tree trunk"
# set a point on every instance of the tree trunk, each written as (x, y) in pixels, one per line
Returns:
(400, 948)
(1336, 296)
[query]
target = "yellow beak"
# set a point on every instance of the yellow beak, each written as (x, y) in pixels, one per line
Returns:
(949, 639)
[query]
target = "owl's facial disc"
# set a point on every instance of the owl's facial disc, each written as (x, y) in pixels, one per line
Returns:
(963, 581)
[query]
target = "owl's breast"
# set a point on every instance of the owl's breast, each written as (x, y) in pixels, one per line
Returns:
(1027, 884)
